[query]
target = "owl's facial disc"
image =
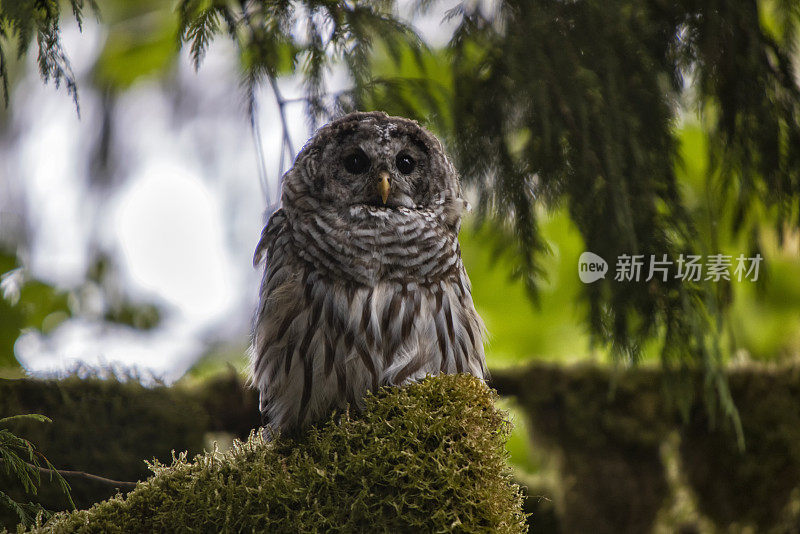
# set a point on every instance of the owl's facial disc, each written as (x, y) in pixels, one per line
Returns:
(374, 164)
(378, 176)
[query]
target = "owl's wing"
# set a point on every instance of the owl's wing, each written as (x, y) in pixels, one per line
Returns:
(274, 226)
(279, 303)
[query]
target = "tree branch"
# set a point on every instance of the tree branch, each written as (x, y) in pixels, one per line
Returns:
(506, 381)
(81, 474)
(287, 140)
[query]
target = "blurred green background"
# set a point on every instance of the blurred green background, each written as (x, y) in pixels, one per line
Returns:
(134, 66)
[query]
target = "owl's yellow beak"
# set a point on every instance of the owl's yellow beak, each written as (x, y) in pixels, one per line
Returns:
(383, 185)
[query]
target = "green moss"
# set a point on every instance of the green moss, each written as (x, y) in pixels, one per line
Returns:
(610, 468)
(109, 427)
(751, 486)
(608, 443)
(424, 458)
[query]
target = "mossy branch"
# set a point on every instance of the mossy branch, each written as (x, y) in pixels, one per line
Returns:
(429, 457)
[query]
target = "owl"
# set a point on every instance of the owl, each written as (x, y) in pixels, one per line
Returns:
(364, 284)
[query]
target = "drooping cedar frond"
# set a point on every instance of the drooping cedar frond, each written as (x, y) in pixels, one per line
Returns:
(545, 104)
(21, 21)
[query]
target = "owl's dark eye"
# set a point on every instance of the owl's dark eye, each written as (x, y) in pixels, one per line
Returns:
(405, 163)
(356, 162)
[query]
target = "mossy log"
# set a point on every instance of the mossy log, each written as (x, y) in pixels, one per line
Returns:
(609, 431)
(429, 457)
(108, 425)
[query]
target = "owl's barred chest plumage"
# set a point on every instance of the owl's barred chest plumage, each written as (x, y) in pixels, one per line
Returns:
(359, 295)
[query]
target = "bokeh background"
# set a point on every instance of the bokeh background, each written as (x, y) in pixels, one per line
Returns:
(143, 212)
(129, 216)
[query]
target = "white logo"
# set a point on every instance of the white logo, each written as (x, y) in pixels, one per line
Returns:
(591, 267)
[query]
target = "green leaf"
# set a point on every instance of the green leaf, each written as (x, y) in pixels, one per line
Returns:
(140, 44)
(26, 417)
(42, 305)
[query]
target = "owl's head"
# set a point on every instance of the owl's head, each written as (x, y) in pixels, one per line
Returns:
(372, 160)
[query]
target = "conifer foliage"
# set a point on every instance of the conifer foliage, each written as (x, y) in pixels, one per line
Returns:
(575, 103)
(20, 459)
(550, 104)
(21, 21)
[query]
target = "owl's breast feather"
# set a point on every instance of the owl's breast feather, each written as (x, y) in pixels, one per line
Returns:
(368, 245)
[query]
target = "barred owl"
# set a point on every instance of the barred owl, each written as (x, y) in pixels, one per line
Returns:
(364, 284)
